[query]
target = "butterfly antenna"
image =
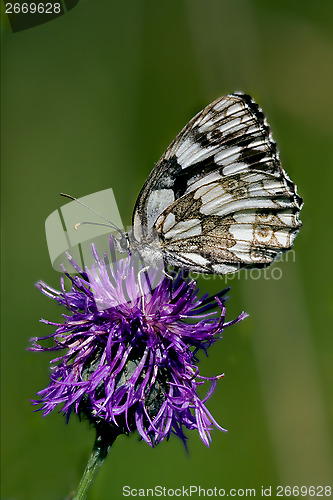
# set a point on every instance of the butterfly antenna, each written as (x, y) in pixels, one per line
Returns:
(92, 210)
(76, 226)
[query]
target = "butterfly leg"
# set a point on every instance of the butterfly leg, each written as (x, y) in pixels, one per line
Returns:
(168, 275)
(143, 270)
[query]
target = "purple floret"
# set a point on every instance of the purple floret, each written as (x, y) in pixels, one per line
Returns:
(130, 360)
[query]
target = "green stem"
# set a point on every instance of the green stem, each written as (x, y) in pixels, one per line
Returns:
(99, 452)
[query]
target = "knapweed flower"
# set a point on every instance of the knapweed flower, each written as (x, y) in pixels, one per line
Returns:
(130, 360)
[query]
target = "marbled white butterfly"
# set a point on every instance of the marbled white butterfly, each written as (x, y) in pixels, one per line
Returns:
(218, 199)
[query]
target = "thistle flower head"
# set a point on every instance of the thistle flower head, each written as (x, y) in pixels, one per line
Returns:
(128, 350)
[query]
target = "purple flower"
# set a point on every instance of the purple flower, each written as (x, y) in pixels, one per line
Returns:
(130, 357)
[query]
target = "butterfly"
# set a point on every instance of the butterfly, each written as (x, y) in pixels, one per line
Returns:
(218, 199)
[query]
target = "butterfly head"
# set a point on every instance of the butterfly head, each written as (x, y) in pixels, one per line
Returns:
(122, 242)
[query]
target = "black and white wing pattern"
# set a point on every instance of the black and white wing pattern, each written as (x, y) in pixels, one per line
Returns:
(218, 199)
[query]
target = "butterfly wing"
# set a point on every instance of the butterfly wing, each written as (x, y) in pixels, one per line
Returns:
(218, 198)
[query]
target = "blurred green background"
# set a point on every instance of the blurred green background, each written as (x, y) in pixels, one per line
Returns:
(90, 101)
